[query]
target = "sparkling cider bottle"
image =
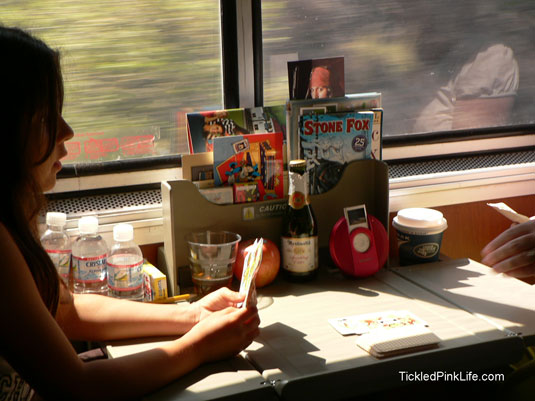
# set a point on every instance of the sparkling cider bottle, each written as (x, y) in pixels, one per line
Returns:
(299, 240)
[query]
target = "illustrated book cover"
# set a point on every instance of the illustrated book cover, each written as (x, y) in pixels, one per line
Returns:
(296, 108)
(204, 126)
(253, 158)
(329, 141)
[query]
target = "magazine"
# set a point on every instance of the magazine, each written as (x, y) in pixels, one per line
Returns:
(253, 158)
(329, 141)
(204, 126)
(297, 108)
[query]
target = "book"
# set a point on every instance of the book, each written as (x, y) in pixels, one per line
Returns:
(203, 126)
(296, 108)
(251, 158)
(316, 78)
(377, 134)
(329, 141)
(262, 120)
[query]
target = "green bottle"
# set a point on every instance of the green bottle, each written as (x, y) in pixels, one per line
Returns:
(299, 232)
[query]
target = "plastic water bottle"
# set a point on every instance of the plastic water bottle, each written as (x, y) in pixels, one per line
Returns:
(125, 265)
(58, 244)
(89, 254)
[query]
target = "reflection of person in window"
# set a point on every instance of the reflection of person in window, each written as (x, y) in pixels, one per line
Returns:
(219, 125)
(481, 94)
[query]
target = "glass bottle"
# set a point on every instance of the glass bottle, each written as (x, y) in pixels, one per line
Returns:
(300, 231)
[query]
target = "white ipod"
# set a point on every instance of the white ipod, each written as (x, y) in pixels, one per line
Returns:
(356, 217)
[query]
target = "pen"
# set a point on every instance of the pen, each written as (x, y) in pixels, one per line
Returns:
(170, 300)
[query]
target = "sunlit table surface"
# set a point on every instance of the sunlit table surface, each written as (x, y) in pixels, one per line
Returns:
(505, 302)
(298, 354)
(305, 358)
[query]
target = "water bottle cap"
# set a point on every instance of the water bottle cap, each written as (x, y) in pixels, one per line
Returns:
(56, 219)
(88, 225)
(123, 232)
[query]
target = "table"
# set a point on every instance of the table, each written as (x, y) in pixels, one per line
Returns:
(234, 378)
(507, 303)
(305, 358)
(298, 355)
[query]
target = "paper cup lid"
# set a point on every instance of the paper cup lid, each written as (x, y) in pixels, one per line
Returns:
(420, 220)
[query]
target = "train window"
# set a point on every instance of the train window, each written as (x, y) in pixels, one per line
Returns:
(130, 70)
(440, 65)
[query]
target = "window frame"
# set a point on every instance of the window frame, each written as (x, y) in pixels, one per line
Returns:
(242, 71)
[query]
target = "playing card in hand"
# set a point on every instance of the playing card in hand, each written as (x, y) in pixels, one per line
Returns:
(251, 264)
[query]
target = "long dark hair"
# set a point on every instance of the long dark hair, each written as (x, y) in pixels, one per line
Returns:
(31, 98)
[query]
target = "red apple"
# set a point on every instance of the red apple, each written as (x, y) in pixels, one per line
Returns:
(269, 267)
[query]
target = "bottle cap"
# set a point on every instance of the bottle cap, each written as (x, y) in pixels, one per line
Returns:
(56, 219)
(298, 163)
(88, 225)
(123, 232)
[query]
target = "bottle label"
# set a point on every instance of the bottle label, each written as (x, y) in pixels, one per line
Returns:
(124, 277)
(300, 255)
(297, 200)
(61, 259)
(90, 269)
(298, 190)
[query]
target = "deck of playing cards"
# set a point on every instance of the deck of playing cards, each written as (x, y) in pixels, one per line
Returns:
(251, 264)
(388, 333)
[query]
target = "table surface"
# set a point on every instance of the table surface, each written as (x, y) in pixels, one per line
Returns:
(506, 302)
(234, 377)
(298, 355)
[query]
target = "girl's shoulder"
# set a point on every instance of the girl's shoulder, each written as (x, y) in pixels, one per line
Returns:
(6, 239)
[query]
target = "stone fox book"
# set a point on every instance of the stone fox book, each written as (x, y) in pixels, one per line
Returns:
(329, 141)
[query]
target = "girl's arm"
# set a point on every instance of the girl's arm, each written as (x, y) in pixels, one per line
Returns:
(34, 344)
(97, 317)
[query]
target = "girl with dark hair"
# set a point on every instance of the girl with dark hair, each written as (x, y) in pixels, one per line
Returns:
(38, 313)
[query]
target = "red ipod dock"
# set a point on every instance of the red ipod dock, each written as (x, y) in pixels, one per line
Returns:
(363, 251)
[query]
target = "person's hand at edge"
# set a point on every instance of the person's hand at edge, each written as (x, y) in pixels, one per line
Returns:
(513, 251)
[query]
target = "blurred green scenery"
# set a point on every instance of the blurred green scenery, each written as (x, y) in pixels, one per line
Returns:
(129, 68)
(133, 68)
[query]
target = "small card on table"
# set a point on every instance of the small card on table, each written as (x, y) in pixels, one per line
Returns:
(387, 333)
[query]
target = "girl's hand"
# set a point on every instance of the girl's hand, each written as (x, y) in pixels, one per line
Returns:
(215, 301)
(224, 333)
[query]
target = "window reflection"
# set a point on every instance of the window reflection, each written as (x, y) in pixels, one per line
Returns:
(130, 68)
(441, 65)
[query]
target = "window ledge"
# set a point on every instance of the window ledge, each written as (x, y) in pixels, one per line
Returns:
(430, 190)
(450, 188)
